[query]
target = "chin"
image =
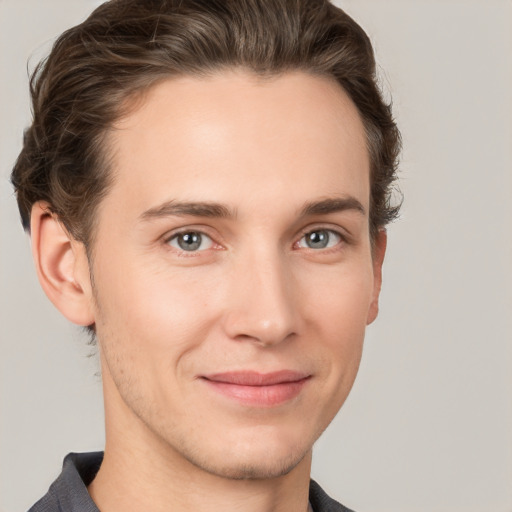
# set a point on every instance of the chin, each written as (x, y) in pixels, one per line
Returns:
(247, 458)
(264, 467)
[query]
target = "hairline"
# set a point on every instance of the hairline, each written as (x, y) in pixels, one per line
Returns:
(135, 99)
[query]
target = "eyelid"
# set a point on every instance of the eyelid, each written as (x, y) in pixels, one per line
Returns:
(205, 239)
(340, 231)
(202, 230)
(189, 228)
(344, 238)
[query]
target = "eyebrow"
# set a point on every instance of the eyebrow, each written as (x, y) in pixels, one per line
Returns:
(218, 210)
(332, 205)
(196, 209)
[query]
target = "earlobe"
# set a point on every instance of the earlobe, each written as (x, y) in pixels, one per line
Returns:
(61, 266)
(379, 251)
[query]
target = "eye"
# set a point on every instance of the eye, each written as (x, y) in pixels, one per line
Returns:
(191, 241)
(320, 239)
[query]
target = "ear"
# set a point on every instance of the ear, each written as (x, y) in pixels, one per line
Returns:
(61, 265)
(379, 250)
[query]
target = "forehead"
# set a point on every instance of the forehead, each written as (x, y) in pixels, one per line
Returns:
(233, 137)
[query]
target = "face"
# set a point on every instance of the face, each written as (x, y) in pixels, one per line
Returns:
(233, 272)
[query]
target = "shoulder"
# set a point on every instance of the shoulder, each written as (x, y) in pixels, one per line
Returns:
(69, 491)
(48, 503)
(321, 502)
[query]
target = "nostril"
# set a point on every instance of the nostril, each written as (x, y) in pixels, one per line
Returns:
(267, 338)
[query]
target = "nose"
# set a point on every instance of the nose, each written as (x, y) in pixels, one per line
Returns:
(262, 301)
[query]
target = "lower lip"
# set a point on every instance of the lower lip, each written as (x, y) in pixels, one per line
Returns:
(259, 396)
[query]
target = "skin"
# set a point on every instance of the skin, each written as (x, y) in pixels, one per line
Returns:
(255, 295)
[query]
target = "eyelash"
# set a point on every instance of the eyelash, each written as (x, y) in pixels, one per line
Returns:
(342, 239)
(189, 231)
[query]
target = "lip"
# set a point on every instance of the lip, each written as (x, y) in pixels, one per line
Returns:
(258, 389)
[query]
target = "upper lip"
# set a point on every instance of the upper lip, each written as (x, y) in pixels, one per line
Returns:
(253, 378)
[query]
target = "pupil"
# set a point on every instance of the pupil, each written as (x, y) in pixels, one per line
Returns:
(189, 241)
(318, 239)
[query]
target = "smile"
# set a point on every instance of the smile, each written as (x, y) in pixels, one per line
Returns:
(257, 389)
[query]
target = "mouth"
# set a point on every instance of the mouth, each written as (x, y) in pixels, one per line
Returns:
(258, 389)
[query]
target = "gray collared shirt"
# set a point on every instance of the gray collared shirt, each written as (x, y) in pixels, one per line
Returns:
(69, 492)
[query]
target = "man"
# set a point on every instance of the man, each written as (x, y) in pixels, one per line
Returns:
(206, 184)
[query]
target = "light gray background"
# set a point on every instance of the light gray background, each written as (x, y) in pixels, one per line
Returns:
(428, 426)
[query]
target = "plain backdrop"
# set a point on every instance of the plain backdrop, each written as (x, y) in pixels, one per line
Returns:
(428, 426)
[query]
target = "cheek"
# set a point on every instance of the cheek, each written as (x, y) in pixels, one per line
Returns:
(340, 297)
(149, 326)
(159, 312)
(337, 313)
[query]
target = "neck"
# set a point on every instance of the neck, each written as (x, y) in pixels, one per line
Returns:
(140, 471)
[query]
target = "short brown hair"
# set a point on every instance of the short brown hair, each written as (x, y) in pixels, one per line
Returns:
(125, 46)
